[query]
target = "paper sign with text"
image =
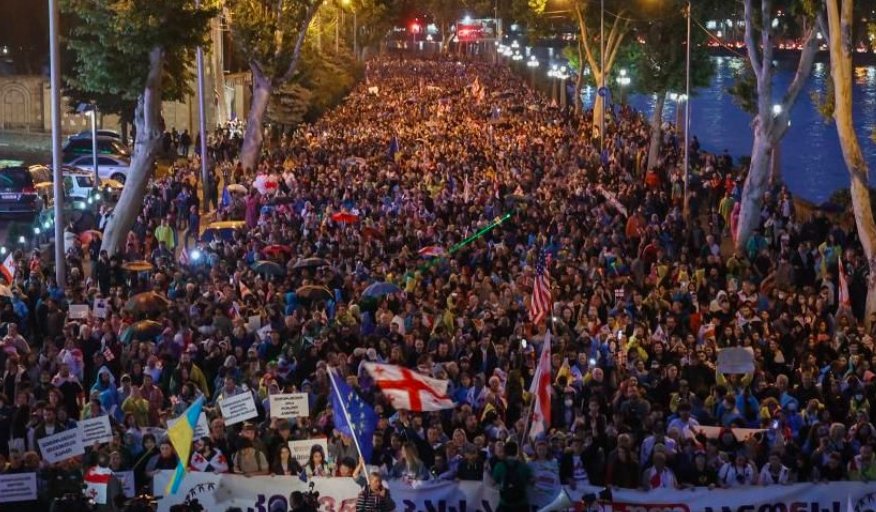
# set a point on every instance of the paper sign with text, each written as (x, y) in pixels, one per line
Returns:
(301, 449)
(736, 360)
(18, 487)
(61, 446)
(238, 408)
(78, 311)
(96, 430)
(289, 405)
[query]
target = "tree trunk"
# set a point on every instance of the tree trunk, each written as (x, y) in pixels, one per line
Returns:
(840, 21)
(598, 109)
(754, 189)
(579, 79)
(252, 139)
(656, 122)
(147, 119)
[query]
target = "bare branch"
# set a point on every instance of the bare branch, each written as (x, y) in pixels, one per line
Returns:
(299, 43)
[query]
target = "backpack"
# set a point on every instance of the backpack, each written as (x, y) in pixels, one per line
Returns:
(513, 486)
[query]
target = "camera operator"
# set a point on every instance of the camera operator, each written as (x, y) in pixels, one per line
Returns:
(298, 503)
(374, 497)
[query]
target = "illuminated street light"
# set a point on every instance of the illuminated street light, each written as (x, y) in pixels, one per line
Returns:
(2, 250)
(533, 62)
(21, 239)
(36, 231)
(517, 56)
(777, 109)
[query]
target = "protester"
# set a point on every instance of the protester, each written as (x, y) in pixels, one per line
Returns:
(452, 202)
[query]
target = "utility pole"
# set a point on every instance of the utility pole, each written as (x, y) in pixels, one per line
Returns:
(686, 202)
(202, 121)
(57, 174)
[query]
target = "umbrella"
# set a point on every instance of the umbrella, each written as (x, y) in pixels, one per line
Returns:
(380, 288)
(221, 230)
(144, 330)
(147, 302)
(432, 251)
(314, 292)
(345, 217)
(277, 249)
(310, 263)
(87, 236)
(268, 268)
(5, 291)
(138, 266)
(237, 187)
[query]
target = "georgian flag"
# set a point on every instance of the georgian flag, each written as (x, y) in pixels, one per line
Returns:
(409, 390)
(8, 268)
(540, 389)
(96, 481)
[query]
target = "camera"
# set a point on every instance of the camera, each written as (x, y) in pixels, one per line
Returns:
(188, 506)
(72, 502)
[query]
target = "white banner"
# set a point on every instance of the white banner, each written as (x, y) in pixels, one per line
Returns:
(301, 449)
(128, 483)
(289, 405)
(101, 307)
(78, 311)
(61, 446)
(238, 408)
(18, 487)
(95, 430)
(261, 494)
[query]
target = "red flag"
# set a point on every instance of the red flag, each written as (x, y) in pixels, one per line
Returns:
(540, 389)
(845, 300)
(408, 389)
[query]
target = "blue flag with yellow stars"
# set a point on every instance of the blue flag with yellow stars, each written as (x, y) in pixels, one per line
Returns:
(362, 418)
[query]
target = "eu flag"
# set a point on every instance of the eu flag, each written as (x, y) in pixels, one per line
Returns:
(363, 420)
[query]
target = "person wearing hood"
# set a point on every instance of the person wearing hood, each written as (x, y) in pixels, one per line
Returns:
(108, 393)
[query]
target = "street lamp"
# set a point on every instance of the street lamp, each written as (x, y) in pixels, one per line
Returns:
(532, 64)
(90, 110)
(623, 81)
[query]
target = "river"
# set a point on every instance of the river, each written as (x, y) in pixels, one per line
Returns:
(811, 158)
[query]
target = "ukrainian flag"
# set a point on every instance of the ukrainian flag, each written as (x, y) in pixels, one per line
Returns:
(181, 436)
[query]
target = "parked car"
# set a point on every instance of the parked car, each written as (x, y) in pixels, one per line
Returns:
(18, 192)
(76, 147)
(108, 166)
(86, 134)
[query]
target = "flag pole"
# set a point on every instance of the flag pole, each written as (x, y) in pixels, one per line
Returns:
(346, 414)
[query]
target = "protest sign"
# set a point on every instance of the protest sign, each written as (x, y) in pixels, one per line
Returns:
(95, 430)
(61, 446)
(78, 311)
(736, 360)
(301, 449)
(238, 408)
(18, 487)
(289, 405)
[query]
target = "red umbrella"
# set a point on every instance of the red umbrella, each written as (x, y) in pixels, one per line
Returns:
(87, 236)
(277, 249)
(345, 217)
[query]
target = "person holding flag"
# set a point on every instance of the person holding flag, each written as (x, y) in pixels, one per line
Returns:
(352, 416)
(181, 435)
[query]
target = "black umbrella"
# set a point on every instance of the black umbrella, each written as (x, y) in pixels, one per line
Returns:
(144, 330)
(310, 263)
(268, 268)
(314, 292)
(147, 302)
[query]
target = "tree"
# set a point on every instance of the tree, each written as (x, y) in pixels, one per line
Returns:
(136, 50)
(447, 12)
(589, 46)
(838, 29)
(270, 35)
(770, 123)
(660, 61)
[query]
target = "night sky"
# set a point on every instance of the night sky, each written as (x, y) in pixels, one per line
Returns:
(24, 29)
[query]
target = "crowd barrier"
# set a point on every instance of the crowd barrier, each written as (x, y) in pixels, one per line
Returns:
(271, 493)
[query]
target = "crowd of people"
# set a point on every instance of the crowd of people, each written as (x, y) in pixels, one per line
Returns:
(422, 155)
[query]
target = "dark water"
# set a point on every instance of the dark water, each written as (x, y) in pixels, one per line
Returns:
(811, 159)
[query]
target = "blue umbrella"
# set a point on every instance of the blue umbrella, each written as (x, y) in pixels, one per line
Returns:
(380, 289)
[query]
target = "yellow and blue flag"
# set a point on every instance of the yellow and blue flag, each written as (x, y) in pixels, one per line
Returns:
(181, 436)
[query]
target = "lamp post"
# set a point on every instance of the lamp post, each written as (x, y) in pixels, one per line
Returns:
(600, 92)
(686, 203)
(202, 118)
(57, 175)
(532, 64)
(90, 111)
